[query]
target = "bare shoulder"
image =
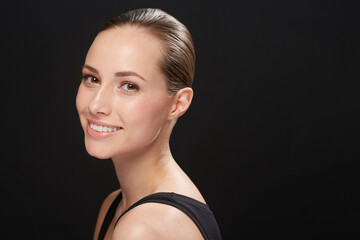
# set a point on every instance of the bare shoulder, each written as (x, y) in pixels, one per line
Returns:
(103, 210)
(156, 221)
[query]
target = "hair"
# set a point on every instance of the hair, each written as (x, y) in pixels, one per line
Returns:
(178, 53)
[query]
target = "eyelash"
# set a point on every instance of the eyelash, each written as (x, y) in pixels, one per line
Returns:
(85, 78)
(135, 87)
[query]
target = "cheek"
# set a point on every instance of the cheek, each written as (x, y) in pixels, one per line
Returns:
(151, 111)
(147, 116)
(81, 100)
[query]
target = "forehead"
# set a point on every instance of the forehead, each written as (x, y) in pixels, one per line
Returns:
(125, 48)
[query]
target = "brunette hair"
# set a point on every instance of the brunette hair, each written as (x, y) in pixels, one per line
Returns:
(178, 60)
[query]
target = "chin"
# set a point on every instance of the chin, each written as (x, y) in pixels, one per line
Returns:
(99, 156)
(97, 152)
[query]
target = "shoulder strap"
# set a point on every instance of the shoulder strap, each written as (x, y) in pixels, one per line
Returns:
(199, 212)
(109, 216)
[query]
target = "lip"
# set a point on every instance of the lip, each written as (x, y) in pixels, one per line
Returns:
(102, 123)
(100, 135)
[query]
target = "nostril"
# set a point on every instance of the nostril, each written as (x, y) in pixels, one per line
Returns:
(101, 102)
(101, 113)
(97, 109)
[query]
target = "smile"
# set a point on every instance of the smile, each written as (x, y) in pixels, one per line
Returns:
(100, 128)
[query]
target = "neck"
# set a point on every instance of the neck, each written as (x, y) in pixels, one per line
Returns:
(141, 173)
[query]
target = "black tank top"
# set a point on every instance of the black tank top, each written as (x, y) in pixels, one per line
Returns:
(199, 212)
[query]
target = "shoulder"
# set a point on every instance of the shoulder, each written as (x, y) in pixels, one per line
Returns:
(104, 209)
(156, 221)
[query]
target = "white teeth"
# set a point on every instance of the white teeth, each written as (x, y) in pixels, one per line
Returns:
(103, 128)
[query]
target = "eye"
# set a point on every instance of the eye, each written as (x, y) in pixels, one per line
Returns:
(130, 87)
(90, 80)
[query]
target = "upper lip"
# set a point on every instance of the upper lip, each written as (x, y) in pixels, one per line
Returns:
(103, 124)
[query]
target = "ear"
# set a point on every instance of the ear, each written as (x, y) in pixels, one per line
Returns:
(181, 102)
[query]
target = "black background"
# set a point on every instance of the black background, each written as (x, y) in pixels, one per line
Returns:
(271, 138)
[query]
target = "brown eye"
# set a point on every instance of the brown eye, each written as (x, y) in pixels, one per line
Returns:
(131, 87)
(89, 80)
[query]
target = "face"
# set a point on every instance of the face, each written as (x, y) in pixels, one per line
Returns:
(122, 101)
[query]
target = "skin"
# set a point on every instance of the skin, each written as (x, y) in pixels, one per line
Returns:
(140, 105)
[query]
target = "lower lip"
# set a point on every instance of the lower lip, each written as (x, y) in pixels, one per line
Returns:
(99, 135)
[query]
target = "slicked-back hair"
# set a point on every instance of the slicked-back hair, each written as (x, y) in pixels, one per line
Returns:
(178, 54)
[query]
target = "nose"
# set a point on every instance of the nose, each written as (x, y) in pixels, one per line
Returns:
(101, 103)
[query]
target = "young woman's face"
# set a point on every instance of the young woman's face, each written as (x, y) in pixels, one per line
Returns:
(122, 101)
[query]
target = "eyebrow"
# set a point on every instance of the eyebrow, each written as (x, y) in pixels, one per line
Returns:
(117, 74)
(128, 73)
(91, 69)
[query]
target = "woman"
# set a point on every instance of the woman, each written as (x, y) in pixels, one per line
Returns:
(136, 83)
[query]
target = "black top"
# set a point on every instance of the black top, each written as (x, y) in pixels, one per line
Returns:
(199, 212)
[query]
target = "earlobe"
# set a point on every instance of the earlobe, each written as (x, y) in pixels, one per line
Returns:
(181, 102)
